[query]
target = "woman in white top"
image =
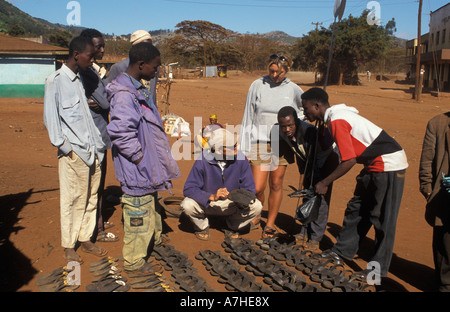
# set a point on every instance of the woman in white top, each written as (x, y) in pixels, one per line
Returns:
(266, 96)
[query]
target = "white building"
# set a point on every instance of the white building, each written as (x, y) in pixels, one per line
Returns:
(435, 51)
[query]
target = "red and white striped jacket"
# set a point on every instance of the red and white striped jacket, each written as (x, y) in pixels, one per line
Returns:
(359, 138)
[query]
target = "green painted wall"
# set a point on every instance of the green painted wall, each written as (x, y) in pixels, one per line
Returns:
(22, 90)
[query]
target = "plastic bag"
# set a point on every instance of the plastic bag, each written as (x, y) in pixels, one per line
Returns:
(176, 126)
(181, 128)
(309, 210)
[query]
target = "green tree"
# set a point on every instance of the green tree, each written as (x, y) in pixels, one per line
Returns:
(254, 50)
(60, 38)
(179, 49)
(356, 43)
(117, 47)
(16, 30)
(204, 35)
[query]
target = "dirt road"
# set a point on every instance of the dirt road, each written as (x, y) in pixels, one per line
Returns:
(29, 190)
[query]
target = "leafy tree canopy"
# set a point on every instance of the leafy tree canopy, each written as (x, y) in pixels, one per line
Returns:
(356, 43)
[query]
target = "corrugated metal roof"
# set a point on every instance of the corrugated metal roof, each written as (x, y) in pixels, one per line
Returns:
(13, 45)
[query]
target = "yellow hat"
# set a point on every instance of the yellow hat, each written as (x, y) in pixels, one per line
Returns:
(213, 116)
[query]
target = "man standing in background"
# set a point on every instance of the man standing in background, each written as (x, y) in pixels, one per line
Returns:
(120, 67)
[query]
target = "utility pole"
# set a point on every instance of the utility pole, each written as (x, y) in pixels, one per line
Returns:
(315, 65)
(418, 90)
(317, 25)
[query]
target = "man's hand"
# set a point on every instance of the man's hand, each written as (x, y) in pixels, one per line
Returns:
(321, 188)
(221, 193)
(426, 194)
(138, 161)
(94, 106)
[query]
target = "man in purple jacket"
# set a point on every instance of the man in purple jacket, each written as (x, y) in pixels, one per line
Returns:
(143, 162)
(220, 170)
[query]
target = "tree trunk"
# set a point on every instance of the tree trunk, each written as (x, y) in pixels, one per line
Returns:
(341, 76)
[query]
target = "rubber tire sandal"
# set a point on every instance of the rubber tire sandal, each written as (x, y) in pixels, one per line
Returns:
(76, 257)
(106, 237)
(95, 250)
(205, 232)
(107, 225)
(268, 232)
(48, 278)
(231, 234)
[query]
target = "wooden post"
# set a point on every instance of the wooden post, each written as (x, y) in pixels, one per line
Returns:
(418, 90)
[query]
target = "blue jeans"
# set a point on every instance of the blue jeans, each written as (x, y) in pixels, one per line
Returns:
(141, 223)
(376, 201)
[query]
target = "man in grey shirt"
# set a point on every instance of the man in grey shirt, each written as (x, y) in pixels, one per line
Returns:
(72, 130)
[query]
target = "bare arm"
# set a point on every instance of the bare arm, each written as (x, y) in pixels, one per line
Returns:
(344, 167)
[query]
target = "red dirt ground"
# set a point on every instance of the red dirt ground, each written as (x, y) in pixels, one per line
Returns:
(29, 190)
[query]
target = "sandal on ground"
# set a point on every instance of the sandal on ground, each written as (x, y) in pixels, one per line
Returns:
(101, 267)
(102, 261)
(105, 237)
(112, 285)
(48, 278)
(268, 232)
(203, 235)
(109, 270)
(231, 234)
(107, 225)
(74, 257)
(95, 250)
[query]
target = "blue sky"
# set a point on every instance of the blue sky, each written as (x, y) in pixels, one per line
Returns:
(243, 16)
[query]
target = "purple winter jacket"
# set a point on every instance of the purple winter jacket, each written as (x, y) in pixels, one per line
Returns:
(137, 132)
(206, 177)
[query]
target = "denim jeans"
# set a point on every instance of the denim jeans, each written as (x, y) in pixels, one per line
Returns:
(141, 223)
(376, 201)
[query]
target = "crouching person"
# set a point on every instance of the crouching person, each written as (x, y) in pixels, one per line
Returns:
(143, 162)
(220, 170)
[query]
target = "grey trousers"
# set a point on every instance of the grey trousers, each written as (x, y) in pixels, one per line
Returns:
(376, 202)
(236, 219)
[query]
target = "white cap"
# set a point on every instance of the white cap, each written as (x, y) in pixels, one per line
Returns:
(139, 36)
(222, 137)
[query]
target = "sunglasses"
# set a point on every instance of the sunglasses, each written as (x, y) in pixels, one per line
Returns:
(274, 57)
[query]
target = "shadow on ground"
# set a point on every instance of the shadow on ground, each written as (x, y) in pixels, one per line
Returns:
(418, 275)
(16, 269)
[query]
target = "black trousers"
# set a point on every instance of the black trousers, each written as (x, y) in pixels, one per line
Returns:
(376, 202)
(441, 253)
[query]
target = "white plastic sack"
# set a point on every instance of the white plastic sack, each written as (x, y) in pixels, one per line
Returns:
(175, 126)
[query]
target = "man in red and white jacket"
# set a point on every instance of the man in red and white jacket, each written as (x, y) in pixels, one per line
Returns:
(379, 189)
